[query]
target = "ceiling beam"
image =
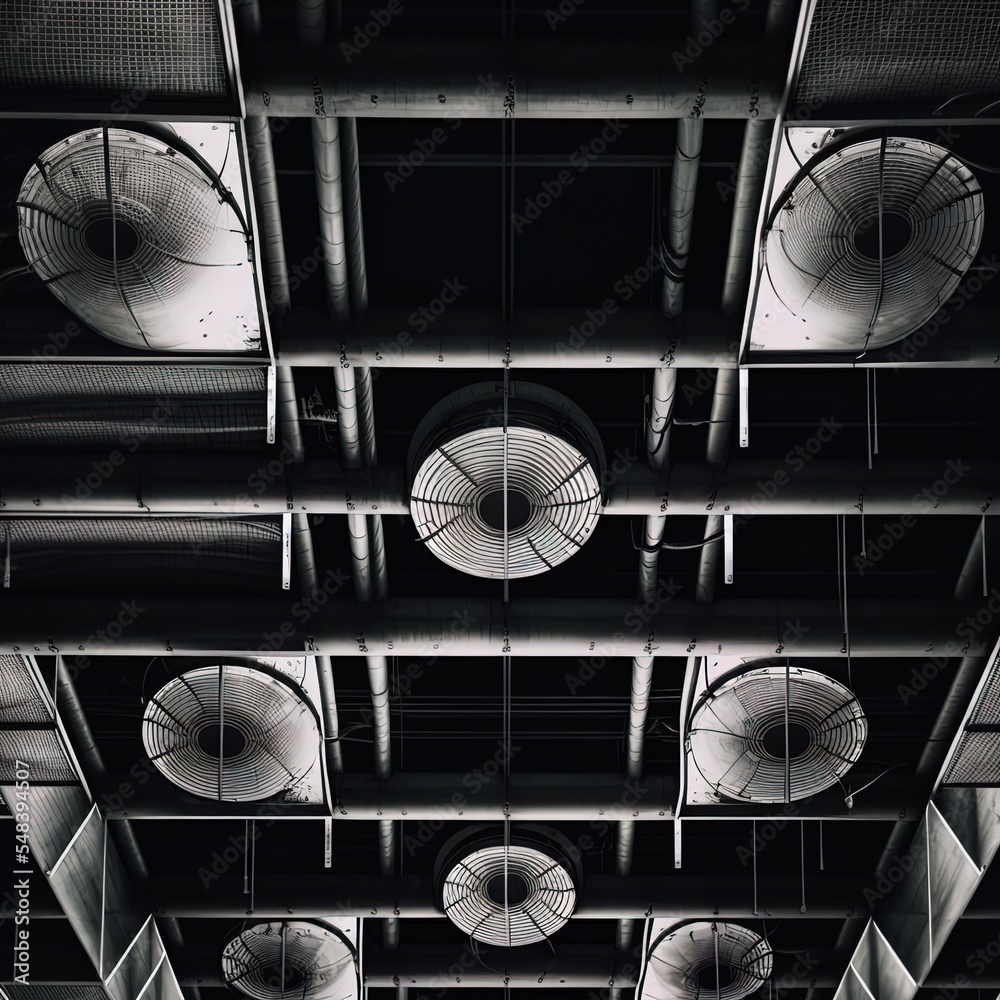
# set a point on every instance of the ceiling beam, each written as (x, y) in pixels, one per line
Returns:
(453, 77)
(591, 629)
(464, 337)
(602, 897)
(796, 483)
(434, 798)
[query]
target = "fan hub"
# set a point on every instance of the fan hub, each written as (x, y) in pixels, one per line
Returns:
(774, 744)
(111, 239)
(518, 509)
(230, 743)
(518, 889)
(896, 233)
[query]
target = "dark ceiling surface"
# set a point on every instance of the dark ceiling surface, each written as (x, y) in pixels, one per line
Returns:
(801, 873)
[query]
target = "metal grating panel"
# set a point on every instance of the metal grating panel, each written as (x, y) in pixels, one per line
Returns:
(901, 52)
(976, 761)
(106, 48)
(55, 992)
(125, 406)
(987, 709)
(19, 700)
(40, 749)
(239, 539)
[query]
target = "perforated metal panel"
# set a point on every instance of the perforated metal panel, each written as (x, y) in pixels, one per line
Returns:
(40, 749)
(138, 546)
(907, 52)
(55, 992)
(107, 48)
(47, 405)
(19, 700)
(976, 761)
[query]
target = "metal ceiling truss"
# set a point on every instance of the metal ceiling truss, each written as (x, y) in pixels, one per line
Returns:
(69, 842)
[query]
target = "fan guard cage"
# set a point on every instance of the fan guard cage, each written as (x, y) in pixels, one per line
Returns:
(705, 961)
(269, 740)
(821, 243)
(737, 742)
(554, 462)
(290, 960)
(539, 879)
(177, 247)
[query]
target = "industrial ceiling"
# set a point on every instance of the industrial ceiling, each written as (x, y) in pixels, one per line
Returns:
(498, 498)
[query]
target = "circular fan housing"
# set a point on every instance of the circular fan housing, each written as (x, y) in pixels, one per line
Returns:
(554, 473)
(737, 734)
(707, 961)
(134, 239)
(305, 960)
(512, 895)
(822, 248)
(267, 735)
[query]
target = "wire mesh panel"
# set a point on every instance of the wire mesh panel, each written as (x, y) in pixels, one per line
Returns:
(107, 48)
(901, 52)
(132, 406)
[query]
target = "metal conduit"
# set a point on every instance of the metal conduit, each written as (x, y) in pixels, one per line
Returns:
(92, 763)
(749, 189)
(683, 187)
(326, 152)
(351, 179)
(305, 562)
(680, 213)
(357, 434)
(246, 14)
(310, 21)
(661, 409)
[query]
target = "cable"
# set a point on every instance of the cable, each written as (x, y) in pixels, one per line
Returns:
(680, 546)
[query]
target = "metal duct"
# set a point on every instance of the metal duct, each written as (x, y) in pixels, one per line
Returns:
(706, 961)
(231, 733)
(549, 459)
(301, 959)
(133, 236)
(868, 241)
(776, 734)
(508, 894)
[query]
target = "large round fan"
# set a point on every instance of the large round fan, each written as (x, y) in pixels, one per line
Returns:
(231, 733)
(509, 491)
(138, 240)
(300, 959)
(706, 961)
(509, 895)
(739, 742)
(868, 241)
